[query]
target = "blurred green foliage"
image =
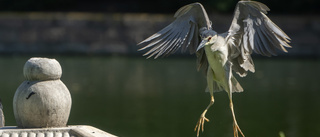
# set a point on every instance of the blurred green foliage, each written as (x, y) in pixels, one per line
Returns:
(154, 6)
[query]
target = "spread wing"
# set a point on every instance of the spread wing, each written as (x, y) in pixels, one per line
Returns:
(251, 30)
(182, 33)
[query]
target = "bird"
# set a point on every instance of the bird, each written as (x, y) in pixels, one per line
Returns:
(220, 55)
(1, 115)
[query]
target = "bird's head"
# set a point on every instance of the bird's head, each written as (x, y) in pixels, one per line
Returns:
(207, 41)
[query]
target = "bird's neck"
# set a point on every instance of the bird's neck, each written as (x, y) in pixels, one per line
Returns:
(217, 51)
(219, 45)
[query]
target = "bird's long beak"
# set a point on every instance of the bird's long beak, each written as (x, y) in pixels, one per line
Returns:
(202, 44)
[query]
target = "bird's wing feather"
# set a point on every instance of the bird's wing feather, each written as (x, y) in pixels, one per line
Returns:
(182, 33)
(251, 30)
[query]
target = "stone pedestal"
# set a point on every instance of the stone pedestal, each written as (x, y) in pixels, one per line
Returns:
(2, 122)
(42, 100)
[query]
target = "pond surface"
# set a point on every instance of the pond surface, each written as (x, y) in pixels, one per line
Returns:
(135, 97)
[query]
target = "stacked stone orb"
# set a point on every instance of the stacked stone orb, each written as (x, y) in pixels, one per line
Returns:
(42, 100)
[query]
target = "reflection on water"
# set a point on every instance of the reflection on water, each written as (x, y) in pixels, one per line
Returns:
(130, 96)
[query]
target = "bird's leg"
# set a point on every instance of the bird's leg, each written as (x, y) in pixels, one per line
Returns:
(236, 128)
(202, 119)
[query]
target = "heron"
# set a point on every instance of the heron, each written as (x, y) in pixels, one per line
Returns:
(220, 54)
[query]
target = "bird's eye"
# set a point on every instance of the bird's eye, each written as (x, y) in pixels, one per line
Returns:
(209, 38)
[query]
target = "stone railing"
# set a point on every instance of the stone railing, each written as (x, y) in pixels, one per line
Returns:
(42, 105)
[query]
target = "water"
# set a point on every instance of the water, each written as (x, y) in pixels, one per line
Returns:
(132, 96)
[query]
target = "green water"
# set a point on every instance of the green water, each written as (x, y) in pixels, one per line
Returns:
(135, 97)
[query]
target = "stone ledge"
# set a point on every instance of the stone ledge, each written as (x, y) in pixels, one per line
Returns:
(69, 131)
(100, 33)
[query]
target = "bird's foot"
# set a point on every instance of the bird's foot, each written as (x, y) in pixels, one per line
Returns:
(236, 130)
(200, 123)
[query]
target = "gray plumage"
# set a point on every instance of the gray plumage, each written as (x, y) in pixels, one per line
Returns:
(220, 54)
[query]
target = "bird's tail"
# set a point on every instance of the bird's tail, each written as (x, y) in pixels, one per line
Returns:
(216, 87)
(236, 87)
